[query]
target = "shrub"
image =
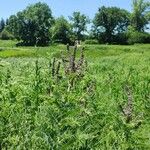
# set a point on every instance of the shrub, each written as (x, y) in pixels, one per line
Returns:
(5, 35)
(121, 38)
(91, 42)
(138, 37)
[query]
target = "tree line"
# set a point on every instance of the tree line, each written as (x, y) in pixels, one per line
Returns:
(36, 25)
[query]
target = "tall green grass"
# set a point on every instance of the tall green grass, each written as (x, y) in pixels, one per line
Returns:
(7, 43)
(39, 112)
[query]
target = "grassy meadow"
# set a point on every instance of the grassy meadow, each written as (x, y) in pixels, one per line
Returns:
(104, 105)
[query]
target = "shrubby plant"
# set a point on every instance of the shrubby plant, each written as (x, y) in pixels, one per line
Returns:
(137, 37)
(91, 42)
(5, 35)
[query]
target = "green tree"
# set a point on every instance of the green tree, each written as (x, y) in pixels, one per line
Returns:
(2, 25)
(61, 31)
(32, 24)
(79, 24)
(14, 26)
(110, 21)
(141, 14)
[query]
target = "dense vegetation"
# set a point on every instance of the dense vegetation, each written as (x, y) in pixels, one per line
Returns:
(36, 25)
(89, 96)
(96, 100)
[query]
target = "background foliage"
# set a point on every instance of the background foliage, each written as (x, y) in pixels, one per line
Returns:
(36, 25)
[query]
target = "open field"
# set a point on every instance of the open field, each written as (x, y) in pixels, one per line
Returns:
(107, 107)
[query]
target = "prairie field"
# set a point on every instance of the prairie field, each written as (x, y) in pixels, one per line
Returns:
(98, 100)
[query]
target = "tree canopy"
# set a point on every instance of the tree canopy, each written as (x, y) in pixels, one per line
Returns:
(2, 25)
(110, 21)
(140, 16)
(79, 24)
(32, 24)
(61, 31)
(35, 25)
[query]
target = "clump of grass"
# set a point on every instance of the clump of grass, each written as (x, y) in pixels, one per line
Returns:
(16, 53)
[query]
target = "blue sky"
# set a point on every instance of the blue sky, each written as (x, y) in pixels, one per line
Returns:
(62, 7)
